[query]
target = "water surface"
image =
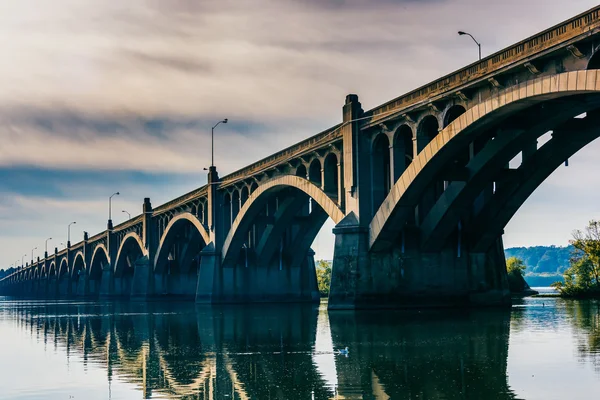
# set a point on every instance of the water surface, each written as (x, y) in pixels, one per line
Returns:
(544, 348)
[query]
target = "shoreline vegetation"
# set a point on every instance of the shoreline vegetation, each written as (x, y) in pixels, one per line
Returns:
(582, 278)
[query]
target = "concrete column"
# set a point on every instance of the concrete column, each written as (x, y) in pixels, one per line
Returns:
(107, 285)
(210, 261)
(350, 264)
(488, 279)
(142, 273)
(143, 276)
(350, 132)
(340, 185)
(83, 281)
(323, 176)
(215, 222)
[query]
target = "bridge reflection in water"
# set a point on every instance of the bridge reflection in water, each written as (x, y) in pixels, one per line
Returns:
(185, 351)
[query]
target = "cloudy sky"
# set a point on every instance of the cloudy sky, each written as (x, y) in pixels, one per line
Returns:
(101, 96)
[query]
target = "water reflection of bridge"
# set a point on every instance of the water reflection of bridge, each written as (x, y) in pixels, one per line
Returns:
(258, 353)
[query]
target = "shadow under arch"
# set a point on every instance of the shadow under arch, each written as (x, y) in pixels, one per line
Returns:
(130, 250)
(97, 264)
(234, 241)
(177, 259)
(78, 269)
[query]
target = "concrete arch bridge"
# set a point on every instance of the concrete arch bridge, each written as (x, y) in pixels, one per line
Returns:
(420, 190)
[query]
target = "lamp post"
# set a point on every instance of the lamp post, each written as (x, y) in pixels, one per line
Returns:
(22, 258)
(35, 248)
(69, 233)
(212, 141)
(46, 248)
(128, 214)
(461, 33)
(110, 209)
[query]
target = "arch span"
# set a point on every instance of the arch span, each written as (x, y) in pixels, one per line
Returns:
(131, 244)
(463, 200)
(177, 259)
(529, 176)
(407, 191)
(257, 201)
(130, 250)
(64, 267)
(78, 264)
(176, 222)
(99, 257)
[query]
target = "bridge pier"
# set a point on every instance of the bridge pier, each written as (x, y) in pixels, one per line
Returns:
(206, 290)
(405, 277)
(277, 281)
(63, 287)
(140, 284)
(106, 287)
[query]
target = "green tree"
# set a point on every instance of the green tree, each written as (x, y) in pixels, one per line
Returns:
(516, 268)
(324, 276)
(515, 265)
(582, 278)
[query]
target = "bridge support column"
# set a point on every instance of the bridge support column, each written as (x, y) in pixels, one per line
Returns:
(82, 287)
(210, 261)
(350, 264)
(107, 283)
(489, 279)
(142, 273)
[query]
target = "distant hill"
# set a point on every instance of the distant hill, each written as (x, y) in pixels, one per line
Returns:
(545, 264)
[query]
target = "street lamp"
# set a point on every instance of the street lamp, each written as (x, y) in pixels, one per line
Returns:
(128, 214)
(69, 233)
(212, 142)
(35, 248)
(46, 248)
(22, 258)
(476, 42)
(110, 205)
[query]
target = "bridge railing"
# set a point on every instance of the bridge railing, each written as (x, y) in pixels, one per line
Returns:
(583, 24)
(305, 146)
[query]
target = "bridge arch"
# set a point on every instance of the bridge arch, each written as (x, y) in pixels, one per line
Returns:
(452, 113)
(244, 194)
(237, 236)
(301, 171)
(64, 267)
(403, 149)
(52, 270)
(381, 179)
(594, 62)
(465, 129)
(427, 130)
(314, 172)
(78, 265)
(99, 259)
(177, 258)
(130, 250)
(131, 247)
(331, 184)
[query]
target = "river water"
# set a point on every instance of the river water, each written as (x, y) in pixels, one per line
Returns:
(542, 348)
